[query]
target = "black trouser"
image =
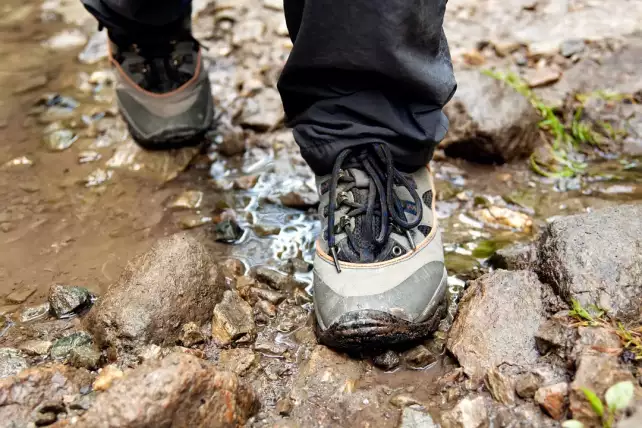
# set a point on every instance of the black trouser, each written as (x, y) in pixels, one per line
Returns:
(360, 72)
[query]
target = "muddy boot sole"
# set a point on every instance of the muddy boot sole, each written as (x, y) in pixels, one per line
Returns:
(170, 140)
(368, 330)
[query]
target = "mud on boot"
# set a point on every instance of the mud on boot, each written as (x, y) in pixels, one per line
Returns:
(379, 273)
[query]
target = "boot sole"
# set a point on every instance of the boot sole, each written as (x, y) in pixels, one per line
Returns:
(369, 330)
(171, 139)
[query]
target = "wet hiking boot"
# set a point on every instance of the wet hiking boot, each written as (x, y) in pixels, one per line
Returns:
(162, 88)
(379, 275)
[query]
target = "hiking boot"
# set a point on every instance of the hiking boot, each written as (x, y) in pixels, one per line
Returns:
(162, 87)
(379, 274)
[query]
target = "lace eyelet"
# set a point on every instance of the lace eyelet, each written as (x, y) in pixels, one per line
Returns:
(397, 251)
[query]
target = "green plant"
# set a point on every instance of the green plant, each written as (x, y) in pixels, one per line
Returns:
(618, 397)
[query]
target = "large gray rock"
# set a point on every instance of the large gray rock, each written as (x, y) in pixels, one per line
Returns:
(11, 362)
(489, 121)
(174, 283)
(596, 258)
(178, 391)
(22, 395)
(498, 317)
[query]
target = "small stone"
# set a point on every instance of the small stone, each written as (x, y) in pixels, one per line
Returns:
(20, 295)
(193, 220)
(45, 418)
(246, 182)
(263, 111)
(228, 231)
(269, 347)
(553, 399)
(300, 200)
(271, 296)
(545, 48)
(274, 4)
(299, 265)
(502, 218)
(191, 335)
(403, 400)
(67, 300)
(419, 357)
(515, 257)
(34, 312)
(273, 278)
(267, 308)
(555, 335)
(190, 199)
(500, 386)
(150, 352)
(238, 360)
(570, 47)
(266, 230)
(85, 357)
(59, 140)
(36, 347)
(61, 348)
(416, 417)
(387, 361)
(596, 340)
(233, 320)
(284, 406)
(11, 362)
(88, 156)
(527, 385)
(542, 77)
(106, 377)
(466, 414)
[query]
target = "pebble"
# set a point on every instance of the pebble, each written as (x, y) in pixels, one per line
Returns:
(238, 360)
(267, 308)
(66, 301)
(273, 278)
(527, 385)
(85, 357)
(34, 312)
(106, 377)
(36, 347)
(419, 357)
(416, 417)
(11, 362)
(190, 199)
(59, 140)
(191, 335)
(271, 296)
(267, 346)
(61, 348)
(233, 320)
(20, 295)
(284, 406)
(570, 47)
(228, 231)
(553, 399)
(542, 77)
(389, 360)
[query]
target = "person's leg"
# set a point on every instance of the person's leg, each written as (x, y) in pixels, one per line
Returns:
(363, 90)
(163, 91)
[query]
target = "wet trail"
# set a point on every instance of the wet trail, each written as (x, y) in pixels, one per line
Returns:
(78, 198)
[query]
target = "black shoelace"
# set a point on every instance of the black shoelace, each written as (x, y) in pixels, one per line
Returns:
(382, 201)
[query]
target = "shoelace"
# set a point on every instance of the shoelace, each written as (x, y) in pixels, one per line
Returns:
(377, 163)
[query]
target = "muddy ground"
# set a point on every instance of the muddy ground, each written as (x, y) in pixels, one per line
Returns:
(79, 200)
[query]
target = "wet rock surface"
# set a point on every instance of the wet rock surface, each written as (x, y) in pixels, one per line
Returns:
(489, 121)
(174, 283)
(498, 317)
(180, 391)
(66, 300)
(233, 321)
(611, 277)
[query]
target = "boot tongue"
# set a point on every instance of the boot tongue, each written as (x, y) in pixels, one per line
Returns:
(363, 248)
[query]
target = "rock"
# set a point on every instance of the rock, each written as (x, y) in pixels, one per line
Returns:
(85, 357)
(266, 345)
(503, 218)
(596, 340)
(35, 347)
(597, 373)
(498, 316)
(233, 320)
(108, 375)
(542, 77)
(416, 417)
(595, 258)
(273, 278)
(67, 300)
(237, 361)
(178, 391)
(228, 230)
(389, 360)
(570, 47)
(59, 139)
(403, 400)
(174, 283)
(527, 385)
(11, 362)
(34, 312)
(274, 4)
(419, 357)
(555, 335)
(62, 348)
(191, 335)
(20, 295)
(264, 111)
(284, 406)
(500, 386)
(271, 296)
(553, 399)
(515, 257)
(468, 413)
(489, 121)
(300, 200)
(266, 308)
(24, 395)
